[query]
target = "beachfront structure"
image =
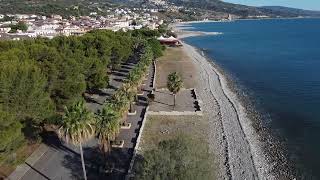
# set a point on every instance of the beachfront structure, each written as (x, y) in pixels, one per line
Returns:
(170, 41)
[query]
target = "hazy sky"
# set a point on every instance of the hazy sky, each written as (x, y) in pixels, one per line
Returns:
(302, 4)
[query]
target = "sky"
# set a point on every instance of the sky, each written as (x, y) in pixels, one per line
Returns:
(302, 4)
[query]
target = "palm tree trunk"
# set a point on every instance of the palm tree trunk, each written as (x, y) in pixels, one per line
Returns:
(82, 161)
(131, 107)
(174, 100)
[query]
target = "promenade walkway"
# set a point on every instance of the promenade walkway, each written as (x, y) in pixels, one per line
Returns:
(62, 161)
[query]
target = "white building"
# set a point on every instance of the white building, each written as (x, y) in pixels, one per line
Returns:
(71, 30)
(44, 30)
(57, 17)
(121, 24)
(5, 29)
(93, 13)
(21, 16)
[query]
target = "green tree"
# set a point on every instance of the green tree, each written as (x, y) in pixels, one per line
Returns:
(120, 101)
(20, 26)
(156, 47)
(95, 74)
(77, 127)
(130, 92)
(23, 89)
(10, 134)
(70, 84)
(107, 126)
(115, 58)
(180, 158)
(174, 84)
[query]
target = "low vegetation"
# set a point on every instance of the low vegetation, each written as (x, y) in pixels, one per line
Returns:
(178, 158)
(19, 26)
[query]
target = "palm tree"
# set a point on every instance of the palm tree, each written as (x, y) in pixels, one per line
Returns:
(120, 101)
(129, 93)
(174, 84)
(77, 127)
(107, 126)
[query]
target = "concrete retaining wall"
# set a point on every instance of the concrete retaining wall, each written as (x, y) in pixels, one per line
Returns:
(136, 148)
(198, 100)
(155, 75)
(137, 145)
(175, 113)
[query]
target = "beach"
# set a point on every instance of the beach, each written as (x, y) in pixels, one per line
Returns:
(231, 137)
(182, 30)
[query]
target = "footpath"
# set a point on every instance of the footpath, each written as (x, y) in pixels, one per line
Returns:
(56, 160)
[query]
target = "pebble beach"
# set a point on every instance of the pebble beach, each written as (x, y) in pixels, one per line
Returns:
(232, 138)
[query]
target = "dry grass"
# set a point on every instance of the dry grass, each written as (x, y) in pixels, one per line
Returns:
(158, 128)
(176, 60)
(21, 155)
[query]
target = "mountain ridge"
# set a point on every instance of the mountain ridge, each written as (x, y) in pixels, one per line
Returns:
(236, 9)
(214, 8)
(298, 11)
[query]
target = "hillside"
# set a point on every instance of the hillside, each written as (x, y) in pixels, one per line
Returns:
(219, 6)
(203, 7)
(243, 11)
(46, 7)
(297, 12)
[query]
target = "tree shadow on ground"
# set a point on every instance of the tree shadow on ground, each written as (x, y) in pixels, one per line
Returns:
(162, 103)
(119, 74)
(89, 99)
(139, 159)
(126, 67)
(118, 80)
(118, 162)
(97, 91)
(112, 87)
(51, 139)
(123, 71)
(142, 98)
(114, 166)
(94, 163)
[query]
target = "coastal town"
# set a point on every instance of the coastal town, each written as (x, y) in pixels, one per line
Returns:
(21, 26)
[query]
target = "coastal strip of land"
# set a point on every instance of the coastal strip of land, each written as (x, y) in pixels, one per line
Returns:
(231, 134)
(184, 31)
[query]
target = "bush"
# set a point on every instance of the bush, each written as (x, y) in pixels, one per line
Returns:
(179, 158)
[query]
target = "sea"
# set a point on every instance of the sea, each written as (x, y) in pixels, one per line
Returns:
(275, 63)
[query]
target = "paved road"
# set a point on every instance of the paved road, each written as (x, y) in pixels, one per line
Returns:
(62, 161)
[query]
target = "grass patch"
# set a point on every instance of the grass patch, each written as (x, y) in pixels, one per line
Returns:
(158, 128)
(12, 160)
(176, 60)
(163, 128)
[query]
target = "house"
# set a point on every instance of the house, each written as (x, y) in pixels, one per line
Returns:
(58, 17)
(5, 29)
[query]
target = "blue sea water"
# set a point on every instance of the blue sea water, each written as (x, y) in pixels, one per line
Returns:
(278, 62)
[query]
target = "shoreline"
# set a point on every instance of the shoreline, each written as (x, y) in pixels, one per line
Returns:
(243, 155)
(186, 31)
(248, 19)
